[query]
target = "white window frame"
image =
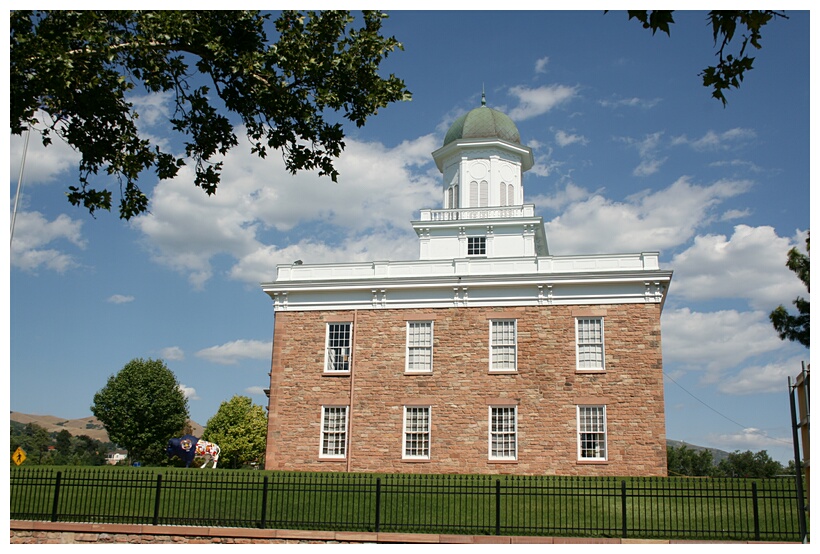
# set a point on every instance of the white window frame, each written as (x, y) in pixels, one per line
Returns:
(415, 345)
(586, 342)
(416, 440)
(334, 349)
(479, 243)
(329, 448)
(503, 347)
(503, 435)
(592, 433)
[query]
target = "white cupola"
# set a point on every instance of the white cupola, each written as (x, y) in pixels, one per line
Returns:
(484, 215)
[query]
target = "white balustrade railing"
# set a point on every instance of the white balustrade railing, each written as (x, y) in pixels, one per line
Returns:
(487, 212)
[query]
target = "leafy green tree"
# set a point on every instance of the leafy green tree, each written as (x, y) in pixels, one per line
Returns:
(750, 465)
(35, 442)
(239, 427)
(63, 442)
(687, 461)
(731, 67)
(71, 73)
(141, 407)
(795, 328)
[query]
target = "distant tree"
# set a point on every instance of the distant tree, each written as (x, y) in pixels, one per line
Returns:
(750, 465)
(63, 442)
(71, 72)
(795, 328)
(35, 442)
(730, 69)
(688, 461)
(239, 427)
(141, 407)
(56, 448)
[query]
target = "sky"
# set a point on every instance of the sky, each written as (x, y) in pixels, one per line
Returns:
(631, 154)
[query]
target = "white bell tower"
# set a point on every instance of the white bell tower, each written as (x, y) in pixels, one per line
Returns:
(484, 215)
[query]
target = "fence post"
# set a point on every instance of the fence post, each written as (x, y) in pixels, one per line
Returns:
(755, 511)
(623, 509)
(156, 500)
(56, 496)
(378, 502)
(497, 506)
(263, 520)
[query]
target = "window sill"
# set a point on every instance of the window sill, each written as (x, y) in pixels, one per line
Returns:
(416, 460)
(502, 461)
(592, 462)
(594, 371)
(332, 459)
(418, 372)
(335, 373)
(503, 372)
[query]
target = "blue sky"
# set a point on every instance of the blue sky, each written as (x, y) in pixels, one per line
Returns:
(631, 153)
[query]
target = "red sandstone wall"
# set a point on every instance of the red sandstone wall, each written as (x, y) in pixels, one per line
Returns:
(546, 389)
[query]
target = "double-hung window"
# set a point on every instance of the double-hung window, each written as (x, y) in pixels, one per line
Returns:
(416, 433)
(337, 359)
(592, 433)
(589, 343)
(503, 345)
(503, 432)
(334, 432)
(419, 347)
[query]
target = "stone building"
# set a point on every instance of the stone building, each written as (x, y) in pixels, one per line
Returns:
(486, 355)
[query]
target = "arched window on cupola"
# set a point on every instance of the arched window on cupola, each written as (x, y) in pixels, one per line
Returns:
(479, 194)
(506, 194)
(452, 197)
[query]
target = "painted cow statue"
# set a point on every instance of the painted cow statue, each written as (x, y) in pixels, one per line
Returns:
(189, 447)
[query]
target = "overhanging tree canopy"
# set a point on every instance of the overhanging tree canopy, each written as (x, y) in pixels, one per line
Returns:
(71, 73)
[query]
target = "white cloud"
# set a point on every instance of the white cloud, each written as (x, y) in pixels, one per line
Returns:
(259, 204)
(749, 265)
(715, 342)
(119, 299)
(534, 102)
(255, 391)
(189, 392)
(749, 438)
(712, 140)
(729, 215)
(650, 220)
(541, 64)
(633, 102)
(231, 352)
(43, 164)
(648, 152)
(648, 167)
(564, 138)
(174, 353)
(260, 265)
(32, 247)
(767, 378)
(152, 108)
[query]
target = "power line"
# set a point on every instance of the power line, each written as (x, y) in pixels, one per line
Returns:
(727, 418)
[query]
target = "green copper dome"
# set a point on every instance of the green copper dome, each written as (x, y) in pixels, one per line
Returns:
(483, 122)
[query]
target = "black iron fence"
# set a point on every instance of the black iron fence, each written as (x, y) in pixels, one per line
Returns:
(668, 508)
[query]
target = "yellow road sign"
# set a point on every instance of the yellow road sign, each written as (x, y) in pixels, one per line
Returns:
(19, 456)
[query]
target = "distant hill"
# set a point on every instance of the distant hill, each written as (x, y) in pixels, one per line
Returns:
(717, 455)
(90, 425)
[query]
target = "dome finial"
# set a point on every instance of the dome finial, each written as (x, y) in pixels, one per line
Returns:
(483, 97)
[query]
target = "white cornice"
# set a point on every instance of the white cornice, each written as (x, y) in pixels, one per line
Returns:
(524, 153)
(552, 280)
